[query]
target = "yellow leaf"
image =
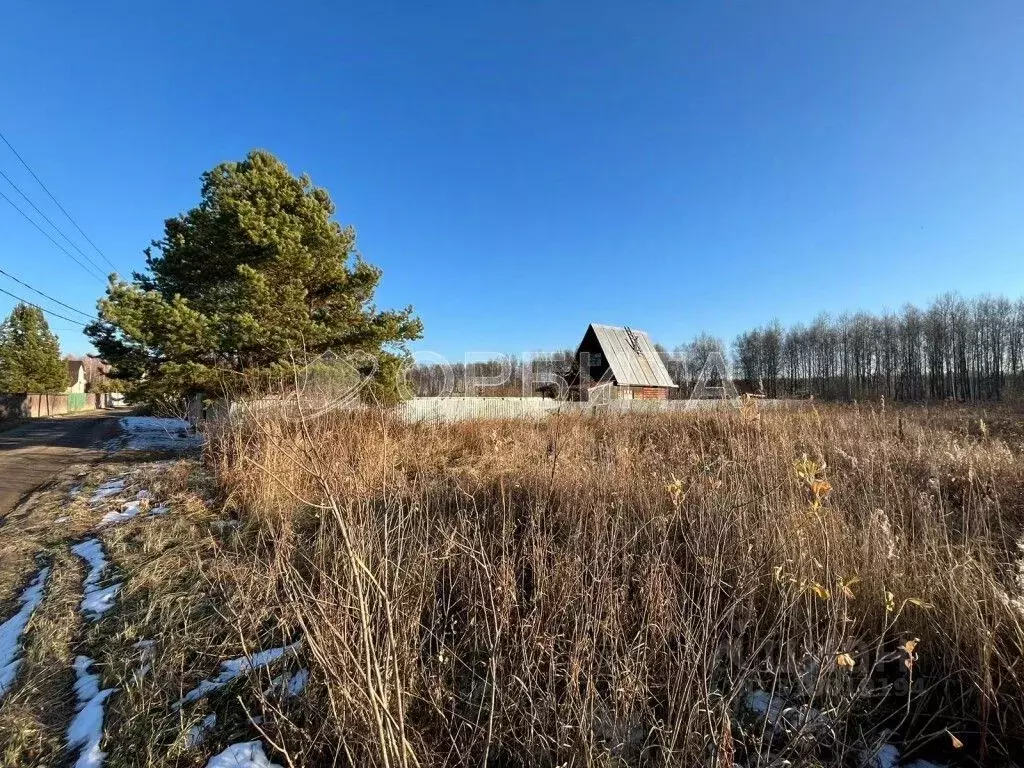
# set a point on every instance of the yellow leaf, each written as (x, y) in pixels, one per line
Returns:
(911, 645)
(845, 660)
(890, 602)
(957, 744)
(820, 591)
(820, 487)
(844, 587)
(919, 603)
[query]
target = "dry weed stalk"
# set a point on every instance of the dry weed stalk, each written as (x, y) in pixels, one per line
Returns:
(662, 589)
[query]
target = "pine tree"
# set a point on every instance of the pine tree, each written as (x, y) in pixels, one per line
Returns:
(257, 274)
(30, 354)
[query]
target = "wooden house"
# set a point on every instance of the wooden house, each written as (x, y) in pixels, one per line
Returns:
(622, 364)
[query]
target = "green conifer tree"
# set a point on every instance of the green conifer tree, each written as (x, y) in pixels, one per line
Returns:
(30, 354)
(259, 274)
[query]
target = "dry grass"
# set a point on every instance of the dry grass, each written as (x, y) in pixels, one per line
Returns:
(34, 717)
(615, 591)
(612, 591)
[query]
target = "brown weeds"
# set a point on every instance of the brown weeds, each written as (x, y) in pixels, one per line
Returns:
(660, 589)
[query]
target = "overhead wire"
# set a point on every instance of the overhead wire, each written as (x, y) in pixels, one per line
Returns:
(56, 201)
(49, 221)
(46, 234)
(41, 309)
(44, 295)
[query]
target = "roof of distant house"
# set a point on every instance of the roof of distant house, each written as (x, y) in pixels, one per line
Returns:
(631, 355)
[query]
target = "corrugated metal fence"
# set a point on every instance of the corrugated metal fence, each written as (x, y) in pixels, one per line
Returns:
(438, 410)
(444, 409)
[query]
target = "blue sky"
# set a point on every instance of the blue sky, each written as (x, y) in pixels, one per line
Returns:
(520, 170)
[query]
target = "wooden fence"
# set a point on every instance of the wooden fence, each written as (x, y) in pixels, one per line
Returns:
(33, 406)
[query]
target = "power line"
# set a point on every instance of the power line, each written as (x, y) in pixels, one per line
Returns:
(45, 296)
(49, 221)
(33, 222)
(57, 202)
(41, 309)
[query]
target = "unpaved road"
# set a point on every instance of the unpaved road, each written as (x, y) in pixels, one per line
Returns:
(30, 455)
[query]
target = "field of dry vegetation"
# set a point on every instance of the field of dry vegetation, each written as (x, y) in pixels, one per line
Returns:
(664, 590)
(826, 586)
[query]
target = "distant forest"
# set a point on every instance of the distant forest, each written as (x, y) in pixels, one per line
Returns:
(956, 348)
(964, 349)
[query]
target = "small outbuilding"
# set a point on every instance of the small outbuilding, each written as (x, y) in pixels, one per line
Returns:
(624, 360)
(76, 377)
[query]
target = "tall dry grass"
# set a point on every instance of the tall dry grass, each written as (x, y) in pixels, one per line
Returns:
(670, 589)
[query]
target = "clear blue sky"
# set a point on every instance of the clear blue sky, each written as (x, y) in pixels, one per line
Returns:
(521, 169)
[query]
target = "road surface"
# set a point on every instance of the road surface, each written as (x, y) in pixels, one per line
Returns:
(31, 454)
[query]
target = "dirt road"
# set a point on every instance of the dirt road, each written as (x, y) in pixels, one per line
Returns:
(30, 455)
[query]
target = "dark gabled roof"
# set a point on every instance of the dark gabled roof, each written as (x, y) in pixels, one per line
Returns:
(631, 355)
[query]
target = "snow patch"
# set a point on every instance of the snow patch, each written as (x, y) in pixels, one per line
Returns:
(197, 733)
(248, 754)
(127, 512)
(296, 684)
(109, 488)
(86, 729)
(163, 509)
(780, 715)
(12, 630)
(149, 433)
(234, 668)
(888, 756)
(97, 600)
(289, 685)
(885, 756)
(145, 658)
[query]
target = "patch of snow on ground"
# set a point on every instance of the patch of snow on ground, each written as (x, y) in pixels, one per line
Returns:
(62, 519)
(296, 684)
(12, 629)
(885, 756)
(779, 714)
(109, 488)
(145, 658)
(248, 754)
(289, 685)
(97, 600)
(197, 733)
(163, 509)
(233, 668)
(86, 729)
(127, 512)
(149, 433)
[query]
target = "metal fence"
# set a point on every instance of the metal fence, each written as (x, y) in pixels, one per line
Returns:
(446, 409)
(439, 410)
